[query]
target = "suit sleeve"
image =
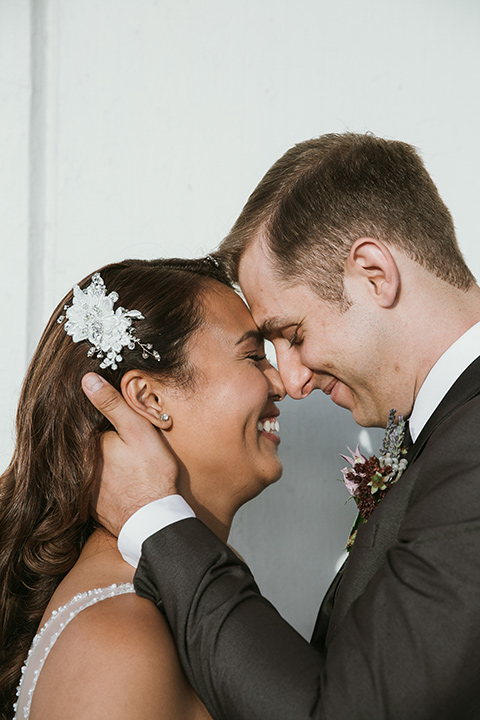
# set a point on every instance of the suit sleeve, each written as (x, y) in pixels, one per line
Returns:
(232, 642)
(409, 646)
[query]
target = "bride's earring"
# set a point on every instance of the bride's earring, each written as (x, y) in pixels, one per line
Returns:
(165, 421)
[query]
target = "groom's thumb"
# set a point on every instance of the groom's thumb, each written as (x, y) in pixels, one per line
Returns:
(107, 400)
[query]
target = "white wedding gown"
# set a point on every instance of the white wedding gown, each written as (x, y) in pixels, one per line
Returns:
(47, 636)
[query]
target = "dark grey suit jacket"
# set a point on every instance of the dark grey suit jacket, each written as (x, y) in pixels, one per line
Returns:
(398, 635)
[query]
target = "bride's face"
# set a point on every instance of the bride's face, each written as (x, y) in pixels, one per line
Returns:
(220, 428)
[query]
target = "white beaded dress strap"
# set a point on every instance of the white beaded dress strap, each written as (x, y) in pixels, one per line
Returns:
(47, 636)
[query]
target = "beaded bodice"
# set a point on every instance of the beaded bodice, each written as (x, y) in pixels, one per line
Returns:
(47, 636)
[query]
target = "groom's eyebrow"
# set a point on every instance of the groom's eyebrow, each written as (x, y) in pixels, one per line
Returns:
(255, 334)
(272, 325)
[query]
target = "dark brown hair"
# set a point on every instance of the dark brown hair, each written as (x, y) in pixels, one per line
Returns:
(325, 193)
(45, 492)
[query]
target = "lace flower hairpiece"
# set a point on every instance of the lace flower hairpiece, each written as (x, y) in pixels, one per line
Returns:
(91, 317)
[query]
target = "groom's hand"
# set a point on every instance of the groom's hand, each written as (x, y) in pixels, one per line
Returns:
(136, 465)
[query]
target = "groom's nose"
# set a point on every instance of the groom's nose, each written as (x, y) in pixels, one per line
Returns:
(296, 377)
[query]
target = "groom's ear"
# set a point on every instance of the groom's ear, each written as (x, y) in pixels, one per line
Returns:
(145, 395)
(371, 265)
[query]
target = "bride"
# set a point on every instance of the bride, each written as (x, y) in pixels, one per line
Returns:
(184, 351)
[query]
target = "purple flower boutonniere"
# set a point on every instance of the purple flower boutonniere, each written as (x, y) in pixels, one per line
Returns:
(369, 479)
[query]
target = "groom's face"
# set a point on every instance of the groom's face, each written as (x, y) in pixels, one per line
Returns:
(318, 345)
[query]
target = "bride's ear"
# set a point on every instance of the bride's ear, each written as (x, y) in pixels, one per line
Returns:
(144, 395)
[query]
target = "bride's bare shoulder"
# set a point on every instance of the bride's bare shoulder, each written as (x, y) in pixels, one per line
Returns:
(115, 659)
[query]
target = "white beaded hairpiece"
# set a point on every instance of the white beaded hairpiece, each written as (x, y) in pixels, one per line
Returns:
(91, 317)
(213, 260)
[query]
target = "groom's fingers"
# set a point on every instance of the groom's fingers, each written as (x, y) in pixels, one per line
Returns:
(128, 424)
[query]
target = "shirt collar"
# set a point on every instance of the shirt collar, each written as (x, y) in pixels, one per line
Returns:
(442, 376)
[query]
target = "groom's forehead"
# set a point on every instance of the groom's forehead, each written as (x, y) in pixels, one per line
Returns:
(274, 302)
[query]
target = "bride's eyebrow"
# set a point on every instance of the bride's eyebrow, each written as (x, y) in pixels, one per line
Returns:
(255, 334)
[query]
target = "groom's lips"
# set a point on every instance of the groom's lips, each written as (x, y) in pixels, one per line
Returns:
(328, 389)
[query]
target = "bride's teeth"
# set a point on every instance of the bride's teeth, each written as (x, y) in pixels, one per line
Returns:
(268, 425)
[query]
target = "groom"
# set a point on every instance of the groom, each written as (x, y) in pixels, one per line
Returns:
(348, 259)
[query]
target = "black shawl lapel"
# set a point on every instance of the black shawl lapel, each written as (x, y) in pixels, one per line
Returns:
(463, 390)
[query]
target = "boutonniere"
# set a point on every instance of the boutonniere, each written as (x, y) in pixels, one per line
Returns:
(369, 479)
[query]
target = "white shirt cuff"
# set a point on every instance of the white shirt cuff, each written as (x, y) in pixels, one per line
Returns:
(147, 521)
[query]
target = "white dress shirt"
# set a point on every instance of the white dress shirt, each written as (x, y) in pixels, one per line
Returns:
(147, 521)
(158, 514)
(442, 376)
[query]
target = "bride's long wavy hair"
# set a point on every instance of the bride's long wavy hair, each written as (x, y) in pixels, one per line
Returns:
(45, 492)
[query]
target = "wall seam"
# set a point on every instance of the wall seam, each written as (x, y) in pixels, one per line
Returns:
(37, 172)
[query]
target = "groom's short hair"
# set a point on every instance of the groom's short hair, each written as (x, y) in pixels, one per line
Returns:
(325, 193)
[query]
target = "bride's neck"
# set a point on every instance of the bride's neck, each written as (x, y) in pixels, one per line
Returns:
(213, 507)
(218, 523)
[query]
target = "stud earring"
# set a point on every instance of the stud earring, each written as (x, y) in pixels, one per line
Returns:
(164, 417)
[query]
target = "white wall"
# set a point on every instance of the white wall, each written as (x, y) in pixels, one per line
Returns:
(139, 127)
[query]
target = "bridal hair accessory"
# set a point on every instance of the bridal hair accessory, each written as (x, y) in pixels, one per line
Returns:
(213, 260)
(368, 480)
(91, 317)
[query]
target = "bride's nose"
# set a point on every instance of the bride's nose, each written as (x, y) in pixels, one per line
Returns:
(276, 388)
